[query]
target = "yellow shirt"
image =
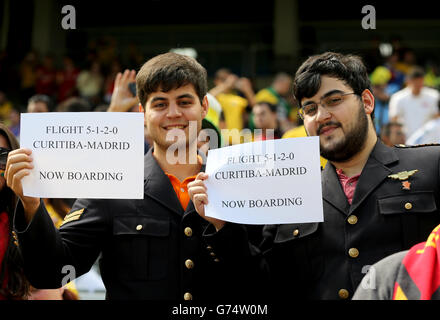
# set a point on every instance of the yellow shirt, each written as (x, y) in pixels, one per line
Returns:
(301, 132)
(233, 107)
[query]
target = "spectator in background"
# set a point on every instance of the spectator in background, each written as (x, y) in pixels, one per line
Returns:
(265, 118)
(429, 133)
(414, 105)
(233, 106)
(74, 104)
(407, 60)
(28, 75)
(13, 283)
(5, 108)
(90, 84)
(382, 89)
(39, 103)
(66, 80)
(392, 134)
(14, 122)
(109, 82)
(276, 95)
(46, 77)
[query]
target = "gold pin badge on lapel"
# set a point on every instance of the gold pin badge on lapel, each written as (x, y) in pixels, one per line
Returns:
(403, 176)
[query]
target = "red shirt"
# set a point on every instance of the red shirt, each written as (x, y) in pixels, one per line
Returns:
(348, 184)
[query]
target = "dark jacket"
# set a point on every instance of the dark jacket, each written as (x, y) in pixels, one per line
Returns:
(151, 248)
(328, 260)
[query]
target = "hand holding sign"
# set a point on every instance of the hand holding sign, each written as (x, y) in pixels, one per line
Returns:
(18, 166)
(84, 154)
(197, 192)
(265, 182)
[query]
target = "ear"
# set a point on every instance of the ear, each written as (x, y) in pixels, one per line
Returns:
(205, 106)
(368, 100)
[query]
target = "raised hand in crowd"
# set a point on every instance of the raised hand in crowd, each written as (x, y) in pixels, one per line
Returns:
(122, 98)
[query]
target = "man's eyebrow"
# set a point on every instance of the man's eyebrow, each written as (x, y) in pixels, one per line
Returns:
(325, 95)
(186, 95)
(158, 99)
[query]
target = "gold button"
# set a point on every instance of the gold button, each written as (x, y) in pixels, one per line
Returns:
(212, 254)
(216, 259)
(187, 296)
(343, 293)
(188, 231)
(209, 247)
(139, 227)
(295, 232)
(182, 190)
(16, 243)
(352, 219)
(189, 264)
(408, 206)
(353, 252)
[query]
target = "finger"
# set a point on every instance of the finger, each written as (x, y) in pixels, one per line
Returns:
(202, 176)
(118, 79)
(124, 79)
(21, 150)
(196, 190)
(15, 181)
(15, 168)
(132, 76)
(201, 199)
(196, 183)
(18, 157)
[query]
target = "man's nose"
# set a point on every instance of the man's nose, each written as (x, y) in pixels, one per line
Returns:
(174, 111)
(322, 113)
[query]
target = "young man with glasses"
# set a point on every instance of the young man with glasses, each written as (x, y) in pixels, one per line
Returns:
(377, 200)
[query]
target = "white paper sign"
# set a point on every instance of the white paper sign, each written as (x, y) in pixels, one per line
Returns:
(266, 182)
(84, 154)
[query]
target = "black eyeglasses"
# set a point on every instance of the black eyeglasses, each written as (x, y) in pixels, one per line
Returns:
(3, 157)
(311, 109)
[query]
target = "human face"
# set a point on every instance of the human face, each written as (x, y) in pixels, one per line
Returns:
(167, 112)
(34, 107)
(343, 131)
(416, 85)
(4, 144)
(263, 117)
(397, 136)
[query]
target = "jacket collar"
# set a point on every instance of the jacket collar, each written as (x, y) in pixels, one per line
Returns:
(373, 173)
(158, 186)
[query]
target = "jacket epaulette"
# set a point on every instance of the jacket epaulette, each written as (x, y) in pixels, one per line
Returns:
(416, 145)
